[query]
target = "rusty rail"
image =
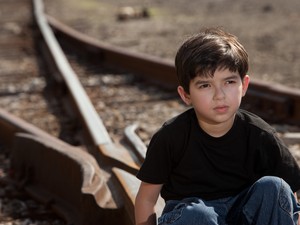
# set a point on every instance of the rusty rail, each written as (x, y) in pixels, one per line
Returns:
(157, 70)
(64, 177)
(111, 157)
(89, 115)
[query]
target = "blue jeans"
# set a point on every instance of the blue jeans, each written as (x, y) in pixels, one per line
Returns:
(269, 201)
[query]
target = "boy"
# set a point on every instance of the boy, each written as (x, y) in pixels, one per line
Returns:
(215, 163)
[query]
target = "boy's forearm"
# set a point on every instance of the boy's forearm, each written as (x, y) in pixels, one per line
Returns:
(145, 214)
(145, 203)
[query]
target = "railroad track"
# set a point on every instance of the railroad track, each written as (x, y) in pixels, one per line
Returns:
(101, 185)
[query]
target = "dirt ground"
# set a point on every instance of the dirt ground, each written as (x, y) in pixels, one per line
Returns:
(269, 29)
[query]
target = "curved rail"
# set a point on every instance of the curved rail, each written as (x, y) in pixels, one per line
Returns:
(83, 103)
(66, 178)
(156, 70)
(119, 163)
(273, 102)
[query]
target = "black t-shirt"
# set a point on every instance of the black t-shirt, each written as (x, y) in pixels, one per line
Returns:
(191, 163)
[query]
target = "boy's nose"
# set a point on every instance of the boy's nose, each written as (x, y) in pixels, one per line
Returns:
(219, 94)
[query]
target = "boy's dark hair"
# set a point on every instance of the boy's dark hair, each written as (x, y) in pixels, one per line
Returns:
(207, 51)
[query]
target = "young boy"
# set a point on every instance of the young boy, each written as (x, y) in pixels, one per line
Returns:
(215, 163)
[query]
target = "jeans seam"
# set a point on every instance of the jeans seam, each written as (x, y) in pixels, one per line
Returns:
(281, 199)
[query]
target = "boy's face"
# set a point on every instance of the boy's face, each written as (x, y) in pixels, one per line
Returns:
(216, 99)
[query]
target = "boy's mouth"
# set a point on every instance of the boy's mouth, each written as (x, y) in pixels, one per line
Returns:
(221, 109)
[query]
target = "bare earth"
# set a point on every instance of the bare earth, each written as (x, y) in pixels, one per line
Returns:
(269, 29)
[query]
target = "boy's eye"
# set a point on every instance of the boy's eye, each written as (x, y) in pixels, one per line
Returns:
(203, 86)
(230, 81)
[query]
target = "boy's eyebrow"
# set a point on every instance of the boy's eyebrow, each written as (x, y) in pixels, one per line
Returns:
(235, 76)
(201, 80)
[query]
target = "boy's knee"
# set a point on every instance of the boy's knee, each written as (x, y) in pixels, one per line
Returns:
(271, 185)
(269, 181)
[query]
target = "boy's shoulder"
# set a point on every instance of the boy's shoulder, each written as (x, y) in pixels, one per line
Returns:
(178, 125)
(254, 121)
(182, 119)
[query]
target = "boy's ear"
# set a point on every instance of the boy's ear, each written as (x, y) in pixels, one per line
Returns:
(246, 82)
(184, 96)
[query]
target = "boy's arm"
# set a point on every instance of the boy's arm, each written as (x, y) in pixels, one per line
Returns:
(145, 202)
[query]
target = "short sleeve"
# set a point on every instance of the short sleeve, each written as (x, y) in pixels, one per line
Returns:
(158, 161)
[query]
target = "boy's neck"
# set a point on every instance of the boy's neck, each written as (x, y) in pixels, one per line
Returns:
(217, 130)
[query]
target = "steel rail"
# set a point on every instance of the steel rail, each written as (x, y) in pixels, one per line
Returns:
(95, 127)
(273, 102)
(109, 155)
(64, 177)
(90, 117)
(157, 70)
(100, 137)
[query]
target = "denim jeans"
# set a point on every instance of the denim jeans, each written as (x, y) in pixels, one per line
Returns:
(269, 201)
